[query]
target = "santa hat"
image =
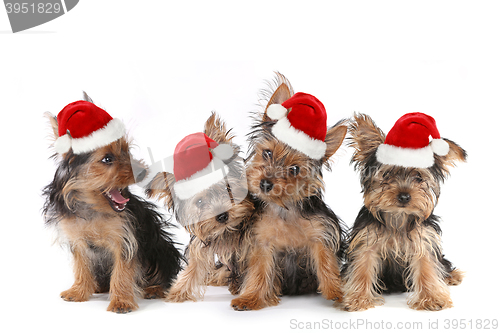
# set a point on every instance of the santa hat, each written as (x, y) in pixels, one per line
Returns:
(84, 127)
(408, 145)
(304, 127)
(198, 164)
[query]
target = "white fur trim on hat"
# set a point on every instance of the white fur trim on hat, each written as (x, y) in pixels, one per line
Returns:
(440, 147)
(276, 111)
(405, 157)
(284, 131)
(203, 179)
(113, 130)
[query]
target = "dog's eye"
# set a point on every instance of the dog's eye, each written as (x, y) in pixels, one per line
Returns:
(108, 159)
(267, 154)
(294, 170)
(419, 179)
(199, 203)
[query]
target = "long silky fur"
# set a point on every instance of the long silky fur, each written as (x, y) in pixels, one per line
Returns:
(145, 234)
(400, 239)
(393, 274)
(295, 274)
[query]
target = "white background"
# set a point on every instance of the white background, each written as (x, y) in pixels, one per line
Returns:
(163, 66)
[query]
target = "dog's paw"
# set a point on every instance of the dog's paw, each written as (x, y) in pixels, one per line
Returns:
(360, 303)
(75, 295)
(179, 296)
(252, 303)
(153, 292)
(431, 303)
(454, 278)
(333, 295)
(246, 304)
(122, 306)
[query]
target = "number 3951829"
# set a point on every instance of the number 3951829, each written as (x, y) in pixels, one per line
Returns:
(485, 324)
(40, 8)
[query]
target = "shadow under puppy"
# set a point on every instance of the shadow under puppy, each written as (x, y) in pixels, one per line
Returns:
(208, 193)
(296, 239)
(116, 238)
(395, 244)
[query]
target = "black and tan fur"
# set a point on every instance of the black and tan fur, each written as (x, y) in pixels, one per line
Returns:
(296, 239)
(125, 251)
(395, 243)
(218, 220)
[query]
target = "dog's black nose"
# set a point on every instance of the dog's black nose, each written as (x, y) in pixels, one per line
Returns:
(266, 185)
(404, 198)
(222, 218)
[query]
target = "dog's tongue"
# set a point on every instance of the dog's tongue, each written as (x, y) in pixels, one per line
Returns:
(117, 196)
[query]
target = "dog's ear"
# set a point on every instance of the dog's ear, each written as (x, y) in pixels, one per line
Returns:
(53, 124)
(334, 138)
(87, 98)
(455, 154)
(282, 93)
(215, 128)
(160, 188)
(365, 138)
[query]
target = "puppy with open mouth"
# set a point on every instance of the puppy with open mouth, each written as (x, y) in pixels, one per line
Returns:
(116, 238)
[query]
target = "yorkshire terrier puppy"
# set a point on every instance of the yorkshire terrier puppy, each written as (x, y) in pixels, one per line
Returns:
(116, 238)
(395, 244)
(207, 191)
(296, 238)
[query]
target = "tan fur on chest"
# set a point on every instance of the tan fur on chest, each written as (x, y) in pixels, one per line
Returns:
(398, 245)
(107, 233)
(286, 230)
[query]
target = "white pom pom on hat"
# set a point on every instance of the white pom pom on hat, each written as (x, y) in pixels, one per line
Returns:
(223, 151)
(440, 147)
(276, 111)
(63, 144)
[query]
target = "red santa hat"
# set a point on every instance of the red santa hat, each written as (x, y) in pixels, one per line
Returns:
(304, 127)
(198, 163)
(408, 143)
(84, 127)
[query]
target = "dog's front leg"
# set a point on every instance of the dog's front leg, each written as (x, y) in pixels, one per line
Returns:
(361, 277)
(429, 288)
(191, 282)
(84, 285)
(260, 288)
(326, 264)
(123, 286)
